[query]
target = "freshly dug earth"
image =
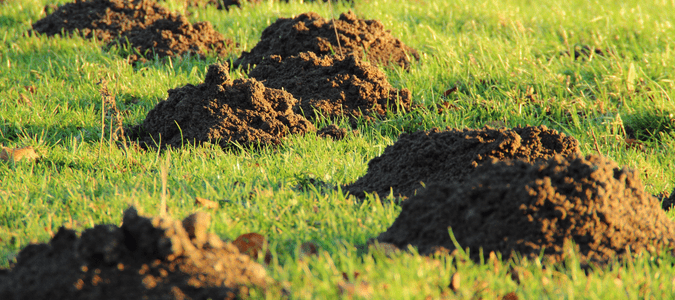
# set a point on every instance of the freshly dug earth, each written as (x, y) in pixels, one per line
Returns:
(334, 86)
(332, 131)
(310, 32)
(222, 111)
(156, 258)
(150, 29)
(437, 156)
(220, 4)
(520, 207)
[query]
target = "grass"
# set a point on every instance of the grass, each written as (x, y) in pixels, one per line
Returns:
(507, 60)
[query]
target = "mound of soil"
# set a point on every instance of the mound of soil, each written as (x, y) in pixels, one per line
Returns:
(334, 86)
(520, 207)
(146, 25)
(175, 36)
(332, 131)
(156, 258)
(437, 156)
(310, 32)
(222, 111)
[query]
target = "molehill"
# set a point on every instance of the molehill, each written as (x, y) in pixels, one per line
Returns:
(435, 156)
(156, 258)
(221, 111)
(518, 207)
(334, 86)
(149, 28)
(310, 32)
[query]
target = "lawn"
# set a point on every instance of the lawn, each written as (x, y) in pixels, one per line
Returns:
(601, 72)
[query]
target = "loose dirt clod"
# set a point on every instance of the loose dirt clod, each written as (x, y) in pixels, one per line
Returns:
(332, 131)
(526, 208)
(149, 28)
(222, 111)
(310, 32)
(334, 86)
(437, 156)
(156, 258)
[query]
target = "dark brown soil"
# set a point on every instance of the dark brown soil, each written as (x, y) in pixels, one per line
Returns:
(310, 32)
(527, 208)
(150, 29)
(334, 86)
(668, 202)
(222, 111)
(220, 4)
(332, 131)
(156, 258)
(449, 156)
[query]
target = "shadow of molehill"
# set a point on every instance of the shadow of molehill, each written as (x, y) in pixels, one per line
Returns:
(650, 125)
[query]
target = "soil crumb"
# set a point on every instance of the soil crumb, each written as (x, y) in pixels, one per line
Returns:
(222, 111)
(149, 28)
(332, 131)
(437, 156)
(310, 32)
(145, 258)
(522, 207)
(334, 86)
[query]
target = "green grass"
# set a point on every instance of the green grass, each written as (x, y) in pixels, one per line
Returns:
(504, 57)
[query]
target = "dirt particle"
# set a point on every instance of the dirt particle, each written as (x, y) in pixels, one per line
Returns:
(515, 206)
(435, 156)
(144, 258)
(309, 32)
(334, 86)
(222, 111)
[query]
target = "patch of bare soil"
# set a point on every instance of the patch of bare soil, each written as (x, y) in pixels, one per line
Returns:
(220, 4)
(527, 208)
(149, 28)
(332, 131)
(309, 32)
(156, 258)
(334, 86)
(437, 156)
(222, 111)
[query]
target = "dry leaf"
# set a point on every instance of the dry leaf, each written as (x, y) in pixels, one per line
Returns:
(454, 282)
(450, 91)
(206, 203)
(17, 154)
(24, 100)
(251, 244)
(29, 88)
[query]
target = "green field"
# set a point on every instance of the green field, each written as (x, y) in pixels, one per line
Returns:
(506, 58)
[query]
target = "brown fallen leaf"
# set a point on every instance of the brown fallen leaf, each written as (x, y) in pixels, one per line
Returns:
(23, 100)
(454, 282)
(251, 244)
(450, 91)
(29, 88)
(206, 203)
(17, 154)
